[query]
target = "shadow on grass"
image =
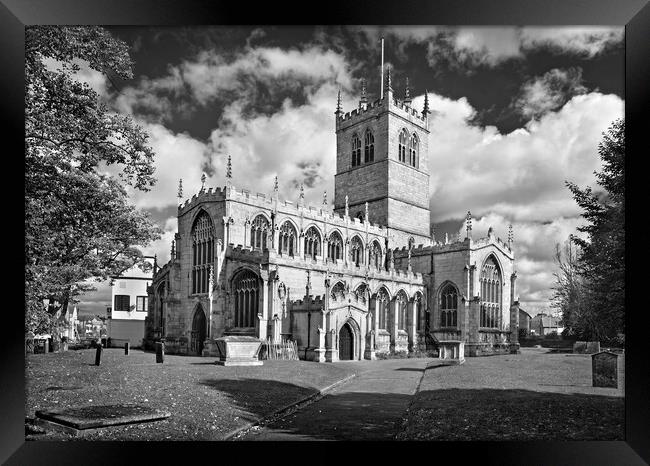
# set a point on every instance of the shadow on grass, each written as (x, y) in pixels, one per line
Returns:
(514, 414)
(451, 414)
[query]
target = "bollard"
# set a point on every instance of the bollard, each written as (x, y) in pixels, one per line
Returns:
(98, 355)
(126, 348)
(46, 346)
(160, 352)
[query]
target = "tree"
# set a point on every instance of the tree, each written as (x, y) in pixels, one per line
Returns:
(602, 260)
(568, 292)
(78, 221)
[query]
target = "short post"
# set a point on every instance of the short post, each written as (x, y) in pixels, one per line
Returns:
(98, 355)
(160, 352)
(46, 346)
(126, 348)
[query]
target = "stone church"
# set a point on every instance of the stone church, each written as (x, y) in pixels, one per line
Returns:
(351, 281)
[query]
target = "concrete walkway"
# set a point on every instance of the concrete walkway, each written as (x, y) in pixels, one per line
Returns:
(372, 406)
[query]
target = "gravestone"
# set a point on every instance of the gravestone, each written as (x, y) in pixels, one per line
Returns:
(604, 368)
(580, 347)
(160, 352)
(593, 347)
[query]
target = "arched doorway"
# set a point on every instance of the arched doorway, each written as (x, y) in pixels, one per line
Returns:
(198, 331)
(346, 343)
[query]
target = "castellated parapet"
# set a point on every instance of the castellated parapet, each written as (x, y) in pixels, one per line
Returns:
(379, 106)
(268, 203)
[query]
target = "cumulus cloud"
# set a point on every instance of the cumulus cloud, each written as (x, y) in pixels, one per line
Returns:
(583, 41)
(520, 174)
(549, 92)
(466, 48)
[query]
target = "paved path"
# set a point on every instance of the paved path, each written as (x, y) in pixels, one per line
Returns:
(371, 406)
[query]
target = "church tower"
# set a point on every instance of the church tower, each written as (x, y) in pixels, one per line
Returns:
(382, 159)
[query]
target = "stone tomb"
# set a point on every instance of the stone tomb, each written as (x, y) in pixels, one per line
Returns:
(83, 419)
(239, 351)
(451, 352)
(604, 366)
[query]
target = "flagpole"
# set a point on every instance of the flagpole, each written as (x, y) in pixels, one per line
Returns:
(382, 68)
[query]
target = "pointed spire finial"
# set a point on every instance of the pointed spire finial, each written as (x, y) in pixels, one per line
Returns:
(302, 191)
(347, 210)
(180, 191)
(407, 93)
(363, 102)
(203, 181)
(338, 104)
(425, 110)
(510, 235)
(366, 217)
(468, 224)
(389, 85)
(325, 198)
(173, 249)
(433, 233)
(275, 184)
(229, 170)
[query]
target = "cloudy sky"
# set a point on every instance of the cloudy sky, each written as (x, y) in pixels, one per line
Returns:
(516, 112)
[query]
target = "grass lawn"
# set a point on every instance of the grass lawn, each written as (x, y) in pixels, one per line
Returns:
(529, 396)
(206, 401)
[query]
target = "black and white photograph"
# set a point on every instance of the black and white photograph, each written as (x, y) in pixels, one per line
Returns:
(305, 233)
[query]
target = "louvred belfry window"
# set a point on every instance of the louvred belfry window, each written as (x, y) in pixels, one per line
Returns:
(356, 150)
(202, 252)
(369, 154)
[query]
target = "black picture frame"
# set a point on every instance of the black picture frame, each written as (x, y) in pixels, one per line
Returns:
(634, 14)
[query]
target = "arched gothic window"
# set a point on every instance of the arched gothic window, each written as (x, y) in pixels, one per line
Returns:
(260, 229)
(356, 150)
(401, 148)
(362, 292)
(419, 312)
(401, 302)
(338, 290)
(375, 255)
(369, 154)
(335, 247)
(449, 306)
(246, 294)
(382, 309)
(413, 150)
(490, 283)
(202, 252)
(356, 251)
(312, 243)
(287, 238)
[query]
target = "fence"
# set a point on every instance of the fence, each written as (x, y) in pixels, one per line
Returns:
(285, 350)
